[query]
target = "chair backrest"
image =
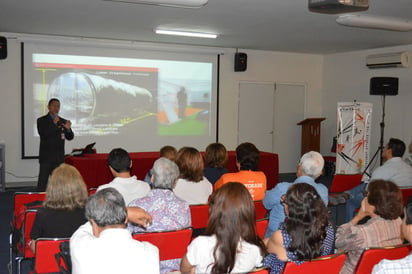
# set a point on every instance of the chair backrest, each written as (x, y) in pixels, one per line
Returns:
(260, 210)
(261, 226)
(44, 260)
(19, 201)
(199, 215)
(373, 255)
(343, 182)
(171, 244)
(92, 191)
(330, 264)
(406, 192)
(23, 245)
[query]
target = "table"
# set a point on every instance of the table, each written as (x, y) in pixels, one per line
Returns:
(95, 172)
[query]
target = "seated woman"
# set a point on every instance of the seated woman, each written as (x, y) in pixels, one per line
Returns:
(215, 161)
(168, 211)
(383, 204)
(168, 152)
(63, 210)
(192, 186)
(231, 244)
(306, 232)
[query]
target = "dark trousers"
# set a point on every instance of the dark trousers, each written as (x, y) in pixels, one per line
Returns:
(45, 170)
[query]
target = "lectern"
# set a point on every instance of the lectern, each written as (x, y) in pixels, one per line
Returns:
(310, 134)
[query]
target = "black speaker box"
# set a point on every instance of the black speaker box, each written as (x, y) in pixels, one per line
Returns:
(240, 61)
(3, 47)
(384, 86)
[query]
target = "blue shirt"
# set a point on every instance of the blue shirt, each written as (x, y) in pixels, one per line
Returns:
(272, 201)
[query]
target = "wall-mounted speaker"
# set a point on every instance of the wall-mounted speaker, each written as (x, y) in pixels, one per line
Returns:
(240, 61)
(3, 47)
(384, 86)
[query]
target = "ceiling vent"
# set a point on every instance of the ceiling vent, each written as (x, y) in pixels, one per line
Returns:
(338, 6)
(388, 60)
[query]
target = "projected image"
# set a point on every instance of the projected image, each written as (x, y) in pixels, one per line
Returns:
(169, 98)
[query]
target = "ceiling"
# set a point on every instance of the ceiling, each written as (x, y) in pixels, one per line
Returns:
(278, 25)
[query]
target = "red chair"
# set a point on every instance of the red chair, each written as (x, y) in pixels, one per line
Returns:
(373, 255)
(92, 191)
(343, 182)
(330, 264)
(23, 248)
(261, 227)
(172, 244)
(406, 192)
(200, 217)
(260, 210)
(44, 260)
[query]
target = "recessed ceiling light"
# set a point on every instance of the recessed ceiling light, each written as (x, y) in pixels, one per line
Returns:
(186, 33)
(374, 22)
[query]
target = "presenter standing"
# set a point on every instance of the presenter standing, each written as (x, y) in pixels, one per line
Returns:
(53, 131)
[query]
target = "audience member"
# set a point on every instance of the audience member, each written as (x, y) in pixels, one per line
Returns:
(129, 186)
(394, 169)
(104, 245)
(63, 210)
(408, 158)
(192, 186)
(215, 162)
(247, 159)
(168, 152)
(383, 204)
(168, 211)
(309, 168)
(306, 232)
(231, 244)
(403, 265)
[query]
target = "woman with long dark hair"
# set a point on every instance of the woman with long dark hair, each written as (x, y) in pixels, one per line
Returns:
(231, 244)
(306, 232)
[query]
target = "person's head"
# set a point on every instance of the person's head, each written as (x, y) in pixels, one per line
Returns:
(66, 189)
(216, 155)
(247, 156)
(311, 164)
(190, 163)
(106, 208)
(168, 152)
(119, 160)
(407, 221)
(307, 219)
(394, 148)
(54, 106)
(385, 198)
(165, 173)
(231, 218)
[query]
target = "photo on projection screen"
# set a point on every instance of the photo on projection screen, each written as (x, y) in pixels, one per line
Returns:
(136, 103)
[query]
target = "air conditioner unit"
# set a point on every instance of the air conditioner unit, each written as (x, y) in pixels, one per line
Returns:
(388, 60)
(338, 6)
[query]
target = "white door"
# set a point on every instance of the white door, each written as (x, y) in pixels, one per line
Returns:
(256, 114)
(289, 110)
(268, 117)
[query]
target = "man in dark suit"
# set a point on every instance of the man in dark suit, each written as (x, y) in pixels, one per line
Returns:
(53, 131)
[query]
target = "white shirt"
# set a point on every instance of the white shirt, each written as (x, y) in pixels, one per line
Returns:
(395, 170)
(114, 251)
(130, 188)
(200, 254)
(401, 266)
(193, 193)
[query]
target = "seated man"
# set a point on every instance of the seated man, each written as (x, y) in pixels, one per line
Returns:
(247, 159)
(402, 265)
(129, 186)
(104, 245)
(310, 167)
(167, 210)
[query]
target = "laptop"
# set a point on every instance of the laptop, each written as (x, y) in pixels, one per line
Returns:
(86, 150)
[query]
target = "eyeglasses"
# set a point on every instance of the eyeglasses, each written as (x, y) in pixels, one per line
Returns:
(283, 200)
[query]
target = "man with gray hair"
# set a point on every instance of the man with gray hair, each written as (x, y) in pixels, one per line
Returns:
(310, 168)
(104, 245)
(167, 210)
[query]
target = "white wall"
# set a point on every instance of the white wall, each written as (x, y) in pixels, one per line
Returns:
(262, 66)
(346, 78)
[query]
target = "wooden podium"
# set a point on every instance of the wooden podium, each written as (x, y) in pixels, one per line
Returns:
(310, 134)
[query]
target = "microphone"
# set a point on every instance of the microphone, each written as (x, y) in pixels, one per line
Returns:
(60, 123)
